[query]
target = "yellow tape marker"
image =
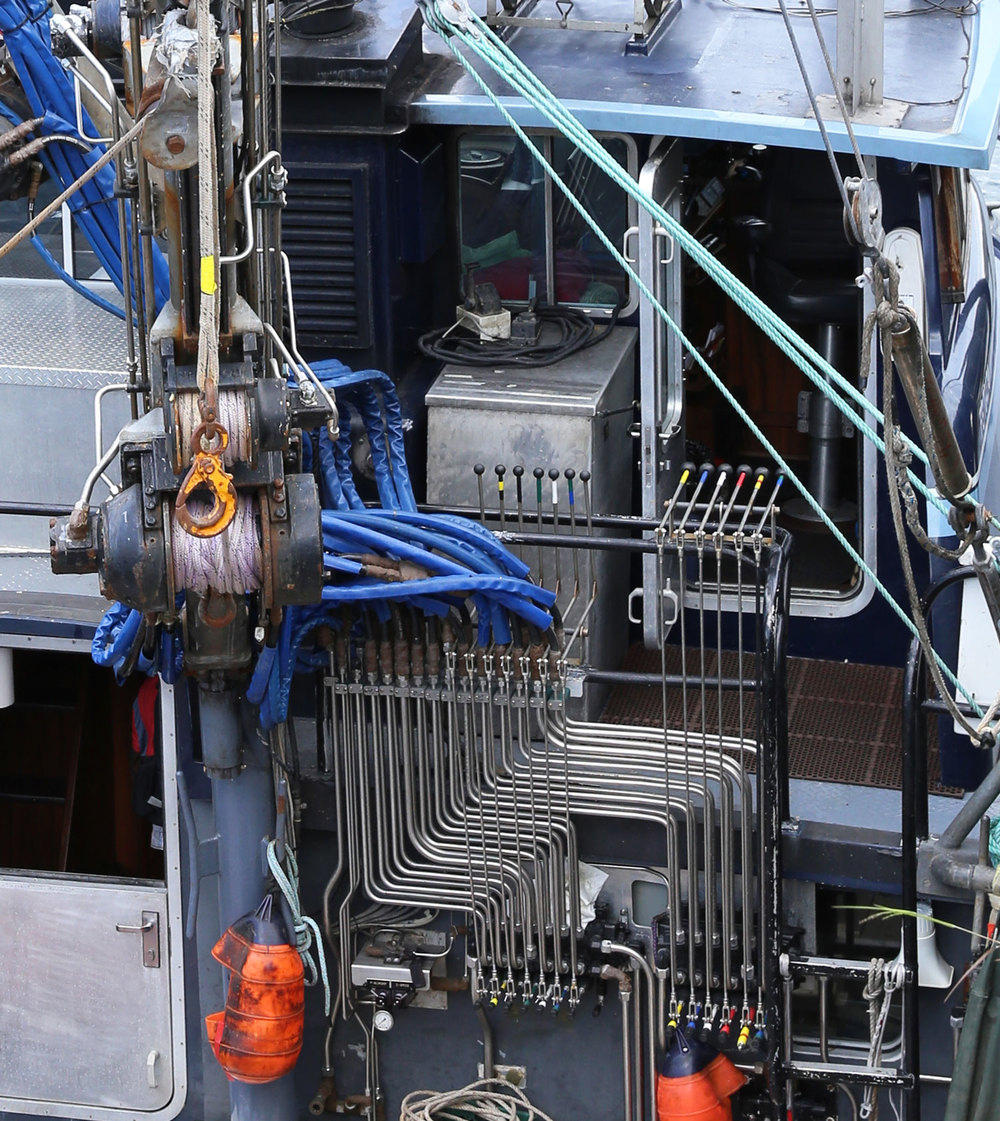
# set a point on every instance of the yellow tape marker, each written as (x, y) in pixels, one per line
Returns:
(208, 275)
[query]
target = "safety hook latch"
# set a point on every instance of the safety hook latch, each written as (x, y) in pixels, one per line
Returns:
(206, 473)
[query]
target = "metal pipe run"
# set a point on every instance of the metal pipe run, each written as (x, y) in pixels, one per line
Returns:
(243, 802)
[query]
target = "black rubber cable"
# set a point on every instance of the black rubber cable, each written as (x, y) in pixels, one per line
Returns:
(576, 332)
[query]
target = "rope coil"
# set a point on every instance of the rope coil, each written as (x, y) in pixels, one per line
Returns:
(489, 1099)
(229, 563)
(233, 416)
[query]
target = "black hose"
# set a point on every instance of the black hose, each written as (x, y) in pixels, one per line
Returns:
(576, 332)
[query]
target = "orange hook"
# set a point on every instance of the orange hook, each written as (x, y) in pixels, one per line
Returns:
(207, 473)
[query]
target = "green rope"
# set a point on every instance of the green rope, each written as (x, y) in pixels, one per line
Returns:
(480, 39)
(306, 929)
(483, 43)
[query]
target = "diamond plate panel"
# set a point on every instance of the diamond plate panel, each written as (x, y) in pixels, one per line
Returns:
(54, 337)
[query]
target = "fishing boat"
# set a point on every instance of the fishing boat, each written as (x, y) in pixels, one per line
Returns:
(498, 612)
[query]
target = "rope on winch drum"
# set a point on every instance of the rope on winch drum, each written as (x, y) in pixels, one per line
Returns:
(475, 35)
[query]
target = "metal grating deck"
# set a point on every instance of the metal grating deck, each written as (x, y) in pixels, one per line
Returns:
(844, 720)
(57, 351)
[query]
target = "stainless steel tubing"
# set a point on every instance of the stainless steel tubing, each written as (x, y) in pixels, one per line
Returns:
(609, 947)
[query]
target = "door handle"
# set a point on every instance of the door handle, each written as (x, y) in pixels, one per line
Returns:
(122, 928)
(149, 929)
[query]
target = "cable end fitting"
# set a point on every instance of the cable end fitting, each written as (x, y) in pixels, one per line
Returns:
(455, 12)
(79, 520)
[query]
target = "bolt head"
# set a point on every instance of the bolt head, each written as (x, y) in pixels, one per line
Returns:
(175, 144)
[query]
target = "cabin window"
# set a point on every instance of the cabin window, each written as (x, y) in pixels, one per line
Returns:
(519, 232)
(76, 795)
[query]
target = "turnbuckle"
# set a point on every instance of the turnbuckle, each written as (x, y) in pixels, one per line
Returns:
(208, 442)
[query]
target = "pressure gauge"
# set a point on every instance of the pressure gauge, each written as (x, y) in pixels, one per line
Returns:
(383, 1020)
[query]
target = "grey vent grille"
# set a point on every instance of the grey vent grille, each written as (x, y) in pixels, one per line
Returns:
(324, 231)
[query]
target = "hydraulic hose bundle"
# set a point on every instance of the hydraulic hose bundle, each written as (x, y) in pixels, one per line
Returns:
(392, 558)
(24, 26)
(379, 562)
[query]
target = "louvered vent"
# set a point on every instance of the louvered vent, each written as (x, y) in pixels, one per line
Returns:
(324, 231)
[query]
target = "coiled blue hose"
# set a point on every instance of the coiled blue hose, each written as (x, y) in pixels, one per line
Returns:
(24, 25)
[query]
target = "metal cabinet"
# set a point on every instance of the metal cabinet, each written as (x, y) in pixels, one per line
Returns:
(91, 996)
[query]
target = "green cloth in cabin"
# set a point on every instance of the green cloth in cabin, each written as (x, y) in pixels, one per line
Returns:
(502, 248)
(975, 1083)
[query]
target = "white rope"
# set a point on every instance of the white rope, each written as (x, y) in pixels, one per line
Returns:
(232, 415)
(230, 562)
(883, 980)
(491, 1099)
(208, 205)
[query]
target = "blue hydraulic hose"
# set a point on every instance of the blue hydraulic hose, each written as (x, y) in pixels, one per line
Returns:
(342, 458)
(49, 90)
(329, 476)
(512, 598)
(115, 634)
(354, 526)
(464, 529)
(75, 284)
(416, 536)
(340, 377)
(365, 400)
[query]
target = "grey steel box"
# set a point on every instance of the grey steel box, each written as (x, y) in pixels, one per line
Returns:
(575, 413)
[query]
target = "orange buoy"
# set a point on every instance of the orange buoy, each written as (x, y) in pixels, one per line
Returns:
(695, 1083)
(724, 1076)
(258, 1036)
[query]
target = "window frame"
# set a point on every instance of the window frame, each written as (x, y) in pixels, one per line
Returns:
(546, 136)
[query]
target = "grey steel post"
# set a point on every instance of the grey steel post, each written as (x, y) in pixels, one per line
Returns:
(239, 766)
(860, 52)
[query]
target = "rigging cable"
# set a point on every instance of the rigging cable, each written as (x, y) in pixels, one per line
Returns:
(465, 26)
(506, 64)
(102, 161)
(827, 145)
(25, 26)
(885, 283)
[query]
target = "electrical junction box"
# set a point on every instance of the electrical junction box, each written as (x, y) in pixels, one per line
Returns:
(405, 960)
(575, 413)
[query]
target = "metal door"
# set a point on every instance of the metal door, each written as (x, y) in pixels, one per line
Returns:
(660, 434)
(91, 997)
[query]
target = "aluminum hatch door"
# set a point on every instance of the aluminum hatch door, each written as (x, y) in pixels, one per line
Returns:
(91, 997)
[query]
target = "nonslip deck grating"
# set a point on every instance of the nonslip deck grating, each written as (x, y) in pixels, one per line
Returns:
(844, 719)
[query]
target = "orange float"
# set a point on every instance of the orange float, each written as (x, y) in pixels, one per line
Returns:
(695, 1083)
(258, 1036)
